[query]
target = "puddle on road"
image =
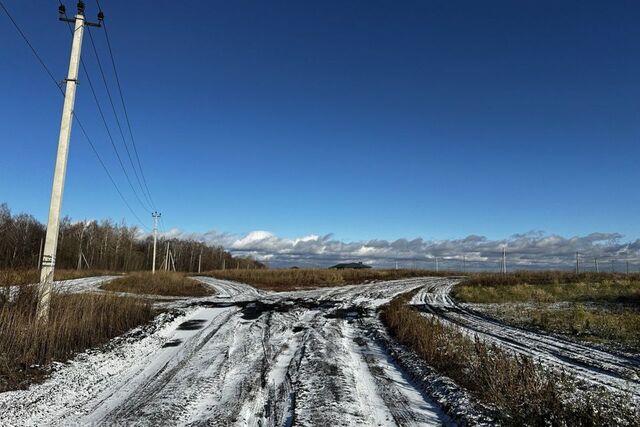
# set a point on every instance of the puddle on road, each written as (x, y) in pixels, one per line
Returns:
(252, 310)
(192, 325)
(349, 313)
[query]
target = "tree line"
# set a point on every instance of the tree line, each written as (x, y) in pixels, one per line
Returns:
(106, 245)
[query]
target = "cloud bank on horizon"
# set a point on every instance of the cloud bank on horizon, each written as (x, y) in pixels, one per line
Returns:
(534, 249)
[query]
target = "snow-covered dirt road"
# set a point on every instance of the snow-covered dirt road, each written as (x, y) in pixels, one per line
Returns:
(243, 357)
(615, 371)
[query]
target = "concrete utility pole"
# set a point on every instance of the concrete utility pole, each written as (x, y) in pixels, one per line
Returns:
(166, 259)
(503, 267)
(597, 268)
(577, 262)
(53, 224)
(200, 262)
(155, 216)
(436, 264)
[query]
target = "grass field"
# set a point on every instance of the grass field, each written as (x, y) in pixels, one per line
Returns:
(77, 322)
(603, 308)
(521, 392)
(161, 283)
(285, 280)
(549, 287)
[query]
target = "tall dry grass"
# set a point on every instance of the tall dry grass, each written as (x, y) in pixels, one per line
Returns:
(161, 283)
(521, 392)
(546, 287)
(285, 280)
(77, 322)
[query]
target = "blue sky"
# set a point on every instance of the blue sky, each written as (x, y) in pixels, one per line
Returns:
(365, 119)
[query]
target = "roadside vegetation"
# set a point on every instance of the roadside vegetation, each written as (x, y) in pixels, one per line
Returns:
(77, 322)
(602, 308)
(549, 287)
(519, 391)
(292, 279)
(162, 283)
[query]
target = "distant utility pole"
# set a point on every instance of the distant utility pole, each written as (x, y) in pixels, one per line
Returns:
(200, 262)
(40, 253)
(596, 261)
(577, 262)
(166, 259)
(53, 224)
(80, 248)
(503, 267)
(436, 264)
(155, 216)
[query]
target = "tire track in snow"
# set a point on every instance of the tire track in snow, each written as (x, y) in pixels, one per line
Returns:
(615, 372)
(249, 357)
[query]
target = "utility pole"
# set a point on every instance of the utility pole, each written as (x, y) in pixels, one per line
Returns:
(53, 223)
(155, 216)
(503, 268)
(596, 261)
(166, 259)
(436, 264)
(464, 263)
(577, 262)
(40, 253)
(80, 248)
(200, 262)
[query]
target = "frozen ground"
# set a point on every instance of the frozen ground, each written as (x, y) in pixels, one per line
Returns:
(253, 358)
(242, 357)
(617, 372)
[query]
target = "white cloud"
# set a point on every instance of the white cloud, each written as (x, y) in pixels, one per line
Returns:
(527, 250)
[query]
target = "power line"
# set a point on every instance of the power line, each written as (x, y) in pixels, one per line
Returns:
(124, 107)
(113, 108)
(104, 121)
(50, 74)
(24, 37)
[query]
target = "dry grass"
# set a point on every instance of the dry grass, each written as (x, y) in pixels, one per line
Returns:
(611, 324)
(286, 280)
(28, 277)
(602, 308)
(78, 322)
(521, 392)
(549, 287)
(161, 283)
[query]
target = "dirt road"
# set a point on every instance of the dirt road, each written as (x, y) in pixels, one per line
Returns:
(243, 357)
(617, 372)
